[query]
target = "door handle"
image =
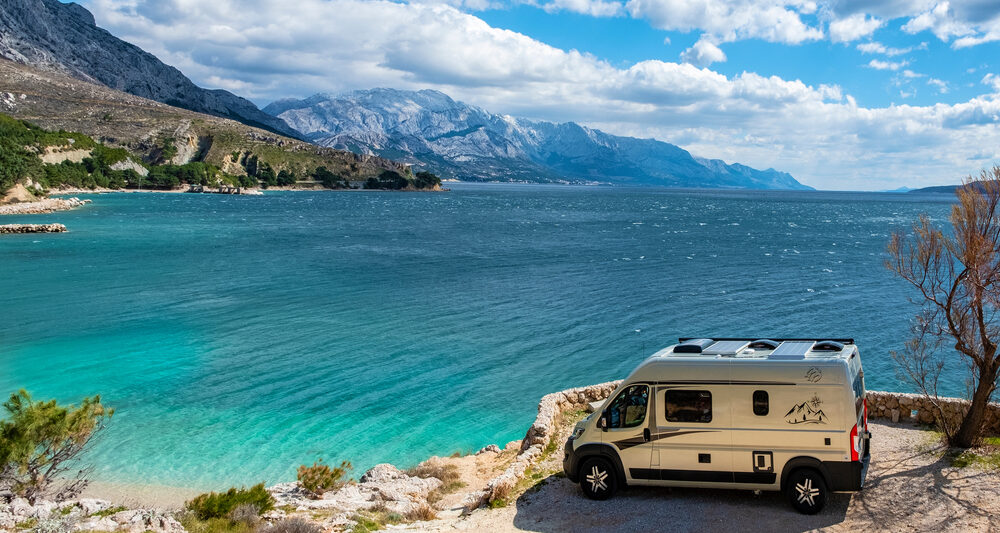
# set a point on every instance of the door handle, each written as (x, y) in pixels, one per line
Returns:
(645, 434)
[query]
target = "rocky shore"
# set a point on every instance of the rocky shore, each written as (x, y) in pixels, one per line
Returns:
(48, 205)
(32, 228)
(496, 488)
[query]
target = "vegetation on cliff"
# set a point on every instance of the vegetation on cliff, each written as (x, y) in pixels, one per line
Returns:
(22, 145)
(156, 135)
(40, 441)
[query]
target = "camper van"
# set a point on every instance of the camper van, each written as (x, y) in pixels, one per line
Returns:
(759, 414)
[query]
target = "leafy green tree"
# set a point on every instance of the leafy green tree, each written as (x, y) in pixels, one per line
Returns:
(329, 179)
(41, 441)
(426, 180)
(286, 178)
(266, 175)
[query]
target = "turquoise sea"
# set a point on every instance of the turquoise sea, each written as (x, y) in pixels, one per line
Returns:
(239, 337)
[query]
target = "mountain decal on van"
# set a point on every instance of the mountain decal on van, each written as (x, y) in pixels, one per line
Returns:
(808, 412)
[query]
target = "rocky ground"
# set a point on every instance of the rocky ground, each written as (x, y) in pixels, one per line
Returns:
(48, 205)
(913, 484)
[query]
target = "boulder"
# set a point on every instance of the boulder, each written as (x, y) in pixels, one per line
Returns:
(381, 472)
(492, 448)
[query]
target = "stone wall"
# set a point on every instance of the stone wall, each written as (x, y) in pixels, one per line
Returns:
(899, 406)
(539, 435)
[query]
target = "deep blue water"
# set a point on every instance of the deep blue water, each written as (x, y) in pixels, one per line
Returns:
(239, 337)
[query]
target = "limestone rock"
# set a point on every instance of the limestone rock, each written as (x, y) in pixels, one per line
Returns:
(492, 448)
(381, 472)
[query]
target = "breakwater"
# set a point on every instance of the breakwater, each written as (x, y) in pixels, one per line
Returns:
(32, 228)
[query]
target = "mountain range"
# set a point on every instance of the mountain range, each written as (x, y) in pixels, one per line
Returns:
(431, 130)
(53, 36)
(426, 129)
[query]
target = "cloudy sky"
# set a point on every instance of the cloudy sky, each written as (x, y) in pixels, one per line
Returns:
(850, 94)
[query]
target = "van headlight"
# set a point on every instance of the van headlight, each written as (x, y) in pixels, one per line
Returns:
(577, 431)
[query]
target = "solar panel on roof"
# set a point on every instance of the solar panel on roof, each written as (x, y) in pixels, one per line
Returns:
(726, 348)
(792, 350)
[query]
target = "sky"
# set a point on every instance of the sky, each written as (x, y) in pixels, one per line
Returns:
(843, 94)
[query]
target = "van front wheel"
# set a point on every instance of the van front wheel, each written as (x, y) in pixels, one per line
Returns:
(806, 491)
(597, 479)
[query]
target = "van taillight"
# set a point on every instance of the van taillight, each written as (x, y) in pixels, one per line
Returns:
(855, 455)
(865, 419)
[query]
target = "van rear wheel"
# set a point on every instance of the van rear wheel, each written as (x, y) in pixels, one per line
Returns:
(597, 479)
(806, 490)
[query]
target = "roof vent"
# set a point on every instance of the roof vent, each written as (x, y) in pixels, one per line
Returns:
(828, 346)
(764, 344)
(693, 346)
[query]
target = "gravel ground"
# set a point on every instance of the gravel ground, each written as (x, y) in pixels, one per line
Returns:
(910, 487)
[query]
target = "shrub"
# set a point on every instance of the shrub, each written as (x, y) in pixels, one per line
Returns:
(438, 469)
(219, 505)
(245, 513)
(40, 440)
(421, 513)
(426, 180)
(320, 478)
(290, 525)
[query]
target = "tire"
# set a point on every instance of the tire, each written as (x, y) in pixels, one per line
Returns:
(806, 490)
(598, 479)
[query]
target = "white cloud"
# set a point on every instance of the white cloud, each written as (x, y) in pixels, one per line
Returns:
(992, 80)
(854, 27)
(702, 54)
(941, 85)
(910, 74)
(595, 8)
(875, 47)
(939, 21)
(726, 21)
(818, 133)
(878, 64)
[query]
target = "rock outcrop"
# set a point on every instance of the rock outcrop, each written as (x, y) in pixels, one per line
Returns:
(85, 514)
(65, 38)
(539, 435)
(48, 205)
(383, 486)
(456, 140)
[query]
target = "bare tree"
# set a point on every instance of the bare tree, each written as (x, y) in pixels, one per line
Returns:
(958, 277)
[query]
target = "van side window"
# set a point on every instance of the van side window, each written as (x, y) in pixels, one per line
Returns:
(628, 409)
(760, 403)
(689, 406)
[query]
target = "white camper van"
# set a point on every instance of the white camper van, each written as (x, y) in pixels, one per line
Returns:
(764, 414)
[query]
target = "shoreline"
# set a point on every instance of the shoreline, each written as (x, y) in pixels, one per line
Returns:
(43, 206)
(506, 489)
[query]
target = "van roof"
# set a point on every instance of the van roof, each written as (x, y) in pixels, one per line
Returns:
(771, 349)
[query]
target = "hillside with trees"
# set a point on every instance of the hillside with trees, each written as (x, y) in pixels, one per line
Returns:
(161, 138)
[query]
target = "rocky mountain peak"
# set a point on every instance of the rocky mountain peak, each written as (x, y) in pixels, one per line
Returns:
(430, 129)
(65, 38)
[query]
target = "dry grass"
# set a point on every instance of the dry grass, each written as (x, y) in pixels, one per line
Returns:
(446, 472)
(421, 513)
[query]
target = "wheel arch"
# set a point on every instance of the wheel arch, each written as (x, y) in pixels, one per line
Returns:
(605, 451)
(803, 462)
